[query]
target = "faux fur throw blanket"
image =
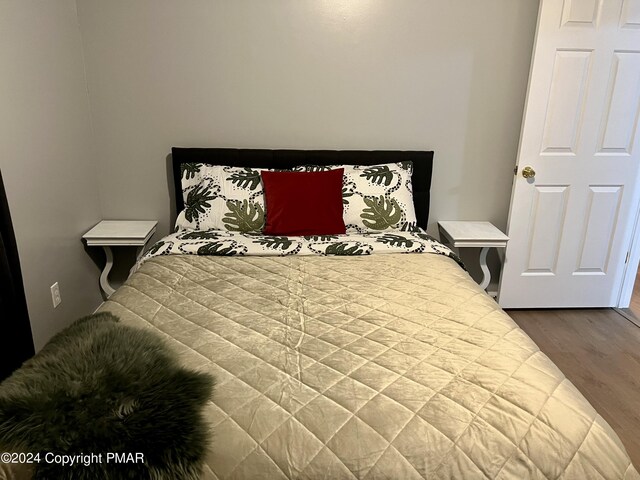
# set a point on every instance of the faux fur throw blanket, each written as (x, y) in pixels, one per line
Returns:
(102, 387)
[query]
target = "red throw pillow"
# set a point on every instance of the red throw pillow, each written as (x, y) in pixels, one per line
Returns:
(303, 203)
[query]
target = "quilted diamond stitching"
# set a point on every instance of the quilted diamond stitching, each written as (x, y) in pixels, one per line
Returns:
(459, 332)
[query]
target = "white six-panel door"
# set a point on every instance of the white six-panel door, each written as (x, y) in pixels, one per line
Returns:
(570, 225)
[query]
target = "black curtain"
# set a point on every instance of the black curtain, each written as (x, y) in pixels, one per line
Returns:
(16, 342)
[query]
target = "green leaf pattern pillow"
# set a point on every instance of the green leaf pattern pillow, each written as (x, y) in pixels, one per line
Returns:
(221, 198)
(376, 198)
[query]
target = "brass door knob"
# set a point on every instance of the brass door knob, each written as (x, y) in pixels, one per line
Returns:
(528, 172)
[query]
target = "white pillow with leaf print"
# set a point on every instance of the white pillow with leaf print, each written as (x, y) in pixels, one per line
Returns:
(376, 197)
(221, 198)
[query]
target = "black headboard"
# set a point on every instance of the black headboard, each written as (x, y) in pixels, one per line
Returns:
(254, 158)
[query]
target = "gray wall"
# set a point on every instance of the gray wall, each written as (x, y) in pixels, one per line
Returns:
(444, 75)
(48, 160)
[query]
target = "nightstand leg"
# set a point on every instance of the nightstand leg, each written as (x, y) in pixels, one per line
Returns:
(486, 274)
(104, 276)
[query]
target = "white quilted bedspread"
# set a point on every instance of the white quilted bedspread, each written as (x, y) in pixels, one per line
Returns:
(374, 367)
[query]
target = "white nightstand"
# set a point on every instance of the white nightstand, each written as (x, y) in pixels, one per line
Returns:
(118, 233)
(474, 234)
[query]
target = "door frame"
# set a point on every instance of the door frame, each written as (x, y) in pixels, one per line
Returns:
(17, 344)
(631, 267)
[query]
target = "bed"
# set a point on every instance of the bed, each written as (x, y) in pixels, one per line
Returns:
(390, 365)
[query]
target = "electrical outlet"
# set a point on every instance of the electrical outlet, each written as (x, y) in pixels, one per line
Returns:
(55, 295)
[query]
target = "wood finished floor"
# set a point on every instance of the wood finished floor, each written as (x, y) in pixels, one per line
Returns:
(599, 352)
